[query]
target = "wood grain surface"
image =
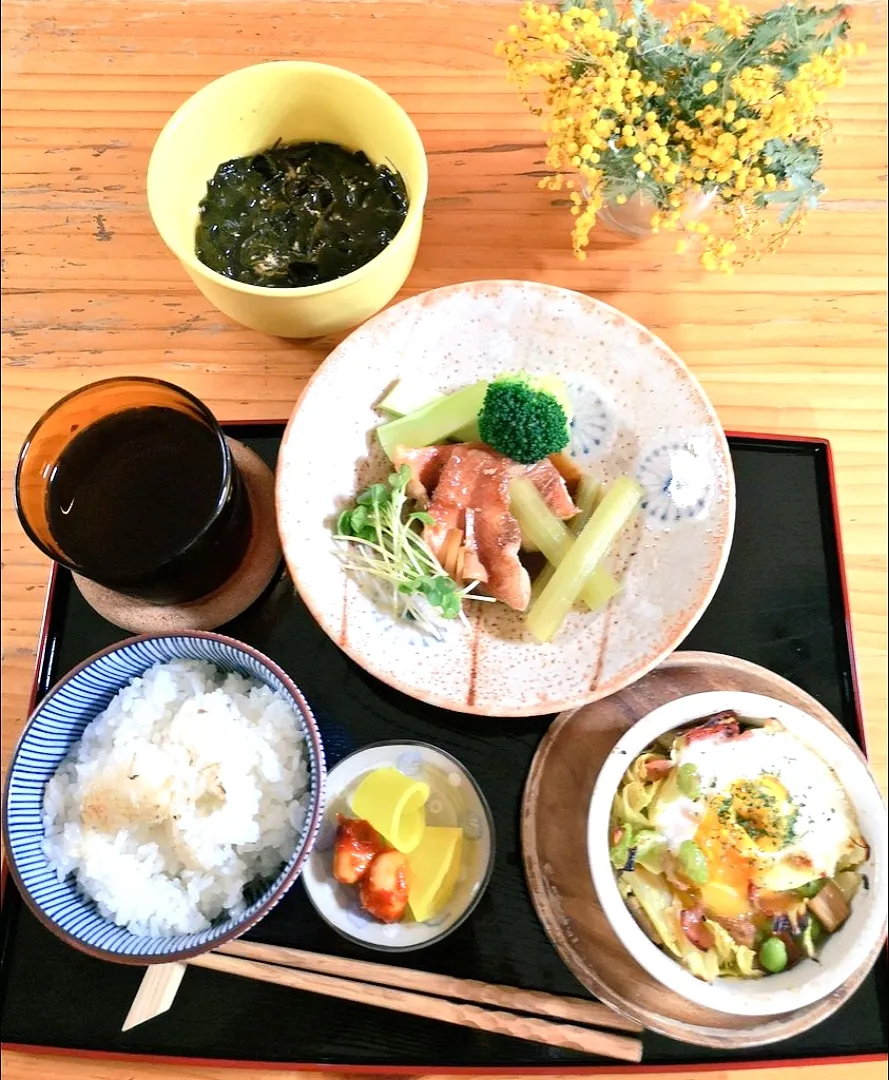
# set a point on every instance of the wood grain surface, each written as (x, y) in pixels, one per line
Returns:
(796, 344)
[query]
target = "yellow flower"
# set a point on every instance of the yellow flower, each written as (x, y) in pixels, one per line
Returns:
(600, 106)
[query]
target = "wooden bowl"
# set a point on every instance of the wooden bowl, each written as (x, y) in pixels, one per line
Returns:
(555, 855)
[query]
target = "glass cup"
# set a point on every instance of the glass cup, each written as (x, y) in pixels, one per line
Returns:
(130, 482)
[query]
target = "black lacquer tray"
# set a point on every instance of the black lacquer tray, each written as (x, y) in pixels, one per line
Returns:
(782, 604)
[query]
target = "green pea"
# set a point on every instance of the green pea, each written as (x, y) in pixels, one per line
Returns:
(688, 780)
(693, 863)
(811, 888)
(773, 955)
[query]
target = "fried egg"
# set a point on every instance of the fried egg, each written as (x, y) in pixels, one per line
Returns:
(768, 813)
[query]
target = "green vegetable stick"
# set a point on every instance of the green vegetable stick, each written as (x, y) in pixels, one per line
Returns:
(552, 536)
(406, 398)
(588, 497)
(435, 421)
(584, 555)
(601, 587)
(542, 580)
(469, 432)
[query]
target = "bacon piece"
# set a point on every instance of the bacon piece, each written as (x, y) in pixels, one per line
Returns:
(473, 495)
(692, 922)
(465, 487)
(425, 464)
(741, 929)
(551, 485)
(723, 725)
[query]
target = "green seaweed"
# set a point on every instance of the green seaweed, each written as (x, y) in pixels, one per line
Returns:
(298, 215)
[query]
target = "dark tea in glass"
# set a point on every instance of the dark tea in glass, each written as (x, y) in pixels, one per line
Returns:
(130, 482)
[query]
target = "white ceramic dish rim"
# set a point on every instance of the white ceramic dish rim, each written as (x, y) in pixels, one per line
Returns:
(484, 881)
(798, 987)
(577, 700)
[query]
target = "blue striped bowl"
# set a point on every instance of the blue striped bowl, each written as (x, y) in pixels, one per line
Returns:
(56, 725)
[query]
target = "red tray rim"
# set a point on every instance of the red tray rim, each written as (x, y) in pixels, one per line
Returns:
(479, 1070)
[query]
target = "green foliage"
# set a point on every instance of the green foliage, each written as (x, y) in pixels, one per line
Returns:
(794, 163)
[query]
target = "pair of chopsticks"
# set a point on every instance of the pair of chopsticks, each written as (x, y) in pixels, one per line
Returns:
(566, 1022)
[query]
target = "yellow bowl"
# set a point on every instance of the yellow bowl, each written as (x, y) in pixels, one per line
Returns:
(245, 112)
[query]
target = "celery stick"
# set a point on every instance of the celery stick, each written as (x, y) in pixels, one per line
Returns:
(406, 397)
(588, 497)
(552, 536)
(468, 433)
(434, 422)
(601, 587)
(541, 581)
(586, 552)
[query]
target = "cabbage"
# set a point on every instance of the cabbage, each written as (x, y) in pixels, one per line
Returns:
(664, 913)
(656, 899)
(848, 882)
(651, 848)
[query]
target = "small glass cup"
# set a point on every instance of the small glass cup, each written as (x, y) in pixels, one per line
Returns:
(130, 483)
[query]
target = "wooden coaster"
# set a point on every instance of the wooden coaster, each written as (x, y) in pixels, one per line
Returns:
(262, 558)
(554, 821)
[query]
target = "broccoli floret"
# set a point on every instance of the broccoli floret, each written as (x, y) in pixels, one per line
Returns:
(525, 418)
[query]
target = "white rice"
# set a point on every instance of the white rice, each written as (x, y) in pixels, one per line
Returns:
(190, 785)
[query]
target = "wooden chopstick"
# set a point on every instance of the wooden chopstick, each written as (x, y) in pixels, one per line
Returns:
(156, 993)
(507, 997)
(568, 1036)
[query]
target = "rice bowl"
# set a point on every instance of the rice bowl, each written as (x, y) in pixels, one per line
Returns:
(188, 787)
(268, 853)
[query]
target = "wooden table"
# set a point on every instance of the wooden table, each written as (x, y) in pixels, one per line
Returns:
(794, 345)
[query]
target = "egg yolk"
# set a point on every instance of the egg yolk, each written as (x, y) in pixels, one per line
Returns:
(760, 808)
(737, 829)
(727, 890)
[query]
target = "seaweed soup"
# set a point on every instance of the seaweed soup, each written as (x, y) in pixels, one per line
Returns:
(298, 215)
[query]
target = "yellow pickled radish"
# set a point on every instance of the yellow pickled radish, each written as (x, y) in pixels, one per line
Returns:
(432, 871)
(393, 804)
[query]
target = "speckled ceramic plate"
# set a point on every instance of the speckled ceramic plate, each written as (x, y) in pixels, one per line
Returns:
(638, 410)
(454, 799)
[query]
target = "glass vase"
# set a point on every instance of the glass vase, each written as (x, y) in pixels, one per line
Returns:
(633, 218)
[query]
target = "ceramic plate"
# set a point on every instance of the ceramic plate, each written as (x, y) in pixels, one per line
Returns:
(638, 410)
(454, 799)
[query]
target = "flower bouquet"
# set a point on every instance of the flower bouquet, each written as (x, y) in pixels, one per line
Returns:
(713, 106)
